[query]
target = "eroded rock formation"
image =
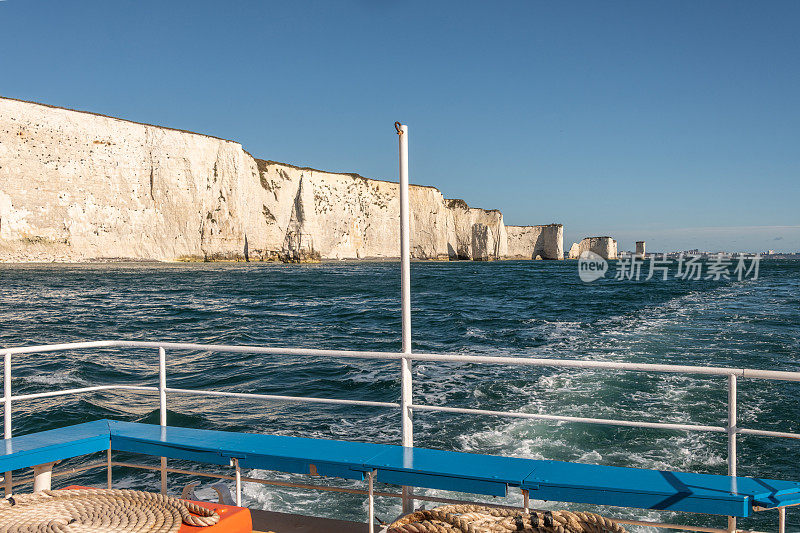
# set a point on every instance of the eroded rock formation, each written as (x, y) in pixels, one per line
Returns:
(528, 242)
(605, 247)
(77, 186)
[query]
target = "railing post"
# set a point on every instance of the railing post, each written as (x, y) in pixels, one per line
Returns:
(732, 438)
(238, 482)
(371, 501)
(162, 401)
(8, 476)
(405, 303)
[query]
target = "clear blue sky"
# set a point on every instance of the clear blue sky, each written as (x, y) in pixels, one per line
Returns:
(636, 119)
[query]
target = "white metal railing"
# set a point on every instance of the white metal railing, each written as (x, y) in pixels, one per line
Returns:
(406, 404)
(732, 374)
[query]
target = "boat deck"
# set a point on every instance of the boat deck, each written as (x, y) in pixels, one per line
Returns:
(271, 522)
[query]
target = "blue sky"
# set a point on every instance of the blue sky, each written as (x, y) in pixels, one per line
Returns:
(675, 122)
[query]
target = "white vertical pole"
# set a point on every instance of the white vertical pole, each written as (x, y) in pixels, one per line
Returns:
(371, 501)
(405, 302)
(162, 400)
(405, 287)
(7, 416)
(238, 483)
(732, 437)
(162, 385)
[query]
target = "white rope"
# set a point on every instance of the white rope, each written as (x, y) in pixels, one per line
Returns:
(478, 519)
(100, 511)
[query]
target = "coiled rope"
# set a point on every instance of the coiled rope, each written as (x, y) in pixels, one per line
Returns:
(479, 519)
(100, 511)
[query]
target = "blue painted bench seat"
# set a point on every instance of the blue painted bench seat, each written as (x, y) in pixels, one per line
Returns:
(655, 489)
(268, 452)
(418, 467)
(54, 445)
(459, 471)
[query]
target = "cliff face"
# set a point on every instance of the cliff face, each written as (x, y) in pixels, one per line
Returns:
(346, 216)
(78, 186)
(605, 247)
(530, 242)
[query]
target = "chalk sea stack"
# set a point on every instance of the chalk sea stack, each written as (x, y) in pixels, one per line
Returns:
(605, 247)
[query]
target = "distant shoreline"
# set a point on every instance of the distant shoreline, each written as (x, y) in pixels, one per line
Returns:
(275, 263)
(782, 257)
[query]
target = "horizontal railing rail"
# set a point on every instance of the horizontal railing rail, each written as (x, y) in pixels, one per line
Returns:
(749, 373)
(307, 399)
(66, 392)
(731, 428)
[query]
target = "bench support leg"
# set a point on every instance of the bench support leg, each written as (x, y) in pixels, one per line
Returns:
(108, 469)
(9, 483)
(732, 524)
(164, 476)
(526, 501)
(42, 477)
(238, 483)
(782, 520)
(408, 500)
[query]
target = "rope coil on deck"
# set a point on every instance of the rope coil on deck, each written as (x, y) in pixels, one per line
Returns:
(479, 519)
(100, 511)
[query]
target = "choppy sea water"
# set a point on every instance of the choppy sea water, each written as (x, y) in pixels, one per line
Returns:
(501, 308)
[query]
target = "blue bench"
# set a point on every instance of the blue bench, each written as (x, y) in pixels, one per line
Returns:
(54, 445)
(658, 489)
(417, 467)
(269, 452)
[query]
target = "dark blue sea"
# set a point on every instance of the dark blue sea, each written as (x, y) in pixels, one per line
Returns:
(526, 308)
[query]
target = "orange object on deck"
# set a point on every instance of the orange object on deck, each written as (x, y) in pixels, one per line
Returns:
(232, 519)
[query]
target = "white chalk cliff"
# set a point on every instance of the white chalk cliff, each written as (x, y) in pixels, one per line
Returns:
(76, 186)
(530, 242)
(605, 247)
